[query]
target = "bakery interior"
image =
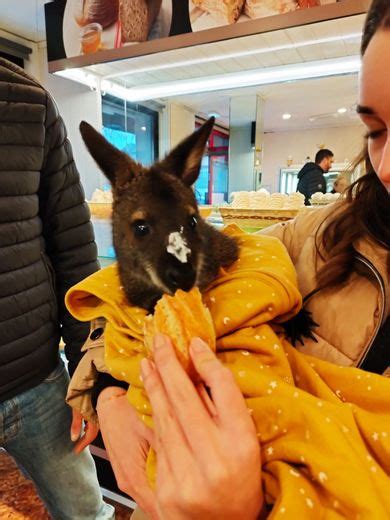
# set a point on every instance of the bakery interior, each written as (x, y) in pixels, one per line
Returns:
(278, 97)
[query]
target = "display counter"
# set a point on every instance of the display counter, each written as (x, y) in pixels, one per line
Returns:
(255, 219)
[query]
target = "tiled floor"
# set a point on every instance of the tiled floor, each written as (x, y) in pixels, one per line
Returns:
(18, 499)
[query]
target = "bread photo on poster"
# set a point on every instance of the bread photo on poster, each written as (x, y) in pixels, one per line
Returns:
(206, 14)
(90, 26)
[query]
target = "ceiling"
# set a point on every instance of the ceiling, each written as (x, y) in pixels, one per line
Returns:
(311, 103)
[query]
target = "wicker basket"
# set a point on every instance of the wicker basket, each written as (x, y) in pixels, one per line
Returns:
(256, 218)
(100, 209)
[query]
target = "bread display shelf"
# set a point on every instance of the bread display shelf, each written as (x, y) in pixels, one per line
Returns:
(256, 218)
(104, 210)
(100, 209)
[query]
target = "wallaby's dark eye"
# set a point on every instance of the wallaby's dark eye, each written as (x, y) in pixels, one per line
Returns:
(193, 222)
(141, 228)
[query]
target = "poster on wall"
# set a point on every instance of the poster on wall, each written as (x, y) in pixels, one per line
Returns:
(86, 27)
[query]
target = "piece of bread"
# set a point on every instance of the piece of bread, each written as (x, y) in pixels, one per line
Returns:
(105, 12)
(137, 18)
(227, 11)
(260, 8)
(181, 317)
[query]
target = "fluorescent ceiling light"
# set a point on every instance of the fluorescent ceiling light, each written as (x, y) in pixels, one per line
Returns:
(264, 76)
(286, 116)
(237, 54)
(342, 110)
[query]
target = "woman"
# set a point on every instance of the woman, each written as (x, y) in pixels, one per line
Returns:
(201, 480)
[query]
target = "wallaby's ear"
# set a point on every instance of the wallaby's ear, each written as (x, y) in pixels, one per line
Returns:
(184, 160)
(117, 166)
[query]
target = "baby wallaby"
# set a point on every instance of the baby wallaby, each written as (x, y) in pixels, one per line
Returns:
(161, 242)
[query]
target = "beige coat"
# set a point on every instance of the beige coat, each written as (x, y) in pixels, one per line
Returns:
(349, 316)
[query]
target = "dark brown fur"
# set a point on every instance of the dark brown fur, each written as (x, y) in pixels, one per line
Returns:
(160, 199)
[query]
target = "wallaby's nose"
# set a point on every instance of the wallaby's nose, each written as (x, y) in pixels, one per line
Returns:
(180, 277)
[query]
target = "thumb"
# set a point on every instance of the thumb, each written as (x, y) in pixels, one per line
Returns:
(76, 426)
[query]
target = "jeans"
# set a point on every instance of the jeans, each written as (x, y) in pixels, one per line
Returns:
(35, 431)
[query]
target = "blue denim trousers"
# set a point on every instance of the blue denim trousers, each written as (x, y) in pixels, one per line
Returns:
(35, 431)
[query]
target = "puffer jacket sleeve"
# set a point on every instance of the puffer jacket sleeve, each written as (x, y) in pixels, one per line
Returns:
(67, 229)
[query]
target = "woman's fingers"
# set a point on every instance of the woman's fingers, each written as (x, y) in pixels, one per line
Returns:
(169, 437)
(190, 411)
(225, 393)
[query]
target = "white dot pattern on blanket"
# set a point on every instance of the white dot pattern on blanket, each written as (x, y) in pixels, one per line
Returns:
(310, 503)
(257, 337)
(270, 450)
(212, 299)
(276, 347)
(302, 491)
(273, 384)
(322, 476)
(245, 353)
(226, 320)
(123, 374)
(282, 510)
(375, 436)
(294, 473)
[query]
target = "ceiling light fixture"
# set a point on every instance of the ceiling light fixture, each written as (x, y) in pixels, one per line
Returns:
(265, 76)
(342, 110)
(237, 54)
(214, 114)
(286, 116)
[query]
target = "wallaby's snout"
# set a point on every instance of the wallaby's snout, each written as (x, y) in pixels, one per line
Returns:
(180, 276)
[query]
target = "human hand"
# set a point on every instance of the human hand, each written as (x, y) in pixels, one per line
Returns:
(208, 454)
(127, 440)
(82, 440)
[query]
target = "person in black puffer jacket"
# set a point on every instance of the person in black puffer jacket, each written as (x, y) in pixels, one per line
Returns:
(311, 177)
(46, 246)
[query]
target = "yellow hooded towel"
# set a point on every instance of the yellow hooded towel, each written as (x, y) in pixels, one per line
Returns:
(324, 430)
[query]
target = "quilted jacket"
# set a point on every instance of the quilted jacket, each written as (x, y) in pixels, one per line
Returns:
(46, 237)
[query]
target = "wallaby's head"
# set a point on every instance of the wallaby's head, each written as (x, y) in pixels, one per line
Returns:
(161, 242)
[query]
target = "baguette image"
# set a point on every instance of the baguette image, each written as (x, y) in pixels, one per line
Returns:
(181, 317)
(137, 18)
(104, 12)
(226, 10)
(261, 8)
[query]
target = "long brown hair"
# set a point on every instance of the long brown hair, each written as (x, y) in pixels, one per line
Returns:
(365, 209)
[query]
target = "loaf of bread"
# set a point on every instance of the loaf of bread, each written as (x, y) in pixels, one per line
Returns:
(137, 18)
(261, 8)
(181, 317)
(227, 11)
(105, 12)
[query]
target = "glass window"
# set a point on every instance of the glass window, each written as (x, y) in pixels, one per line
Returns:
(211, 186)
(132, 128)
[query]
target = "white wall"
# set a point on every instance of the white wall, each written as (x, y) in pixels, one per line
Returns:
(345, 143)
(76, 103)
(181, 123)
(240, 159)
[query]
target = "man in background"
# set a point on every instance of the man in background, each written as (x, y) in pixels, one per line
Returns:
(46, 246)
(311, 177)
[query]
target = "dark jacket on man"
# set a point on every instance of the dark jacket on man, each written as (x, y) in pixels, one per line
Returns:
(46, 237)
(310, 180)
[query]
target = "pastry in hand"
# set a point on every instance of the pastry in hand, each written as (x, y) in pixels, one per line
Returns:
(137, 18)
(227, 11)
(181, 317)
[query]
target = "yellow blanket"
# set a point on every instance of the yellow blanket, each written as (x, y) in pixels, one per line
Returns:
(324, 430)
